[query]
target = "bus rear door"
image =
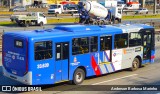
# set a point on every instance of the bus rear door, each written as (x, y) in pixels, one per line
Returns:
(61, 61)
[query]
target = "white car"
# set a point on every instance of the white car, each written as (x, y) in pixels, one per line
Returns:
(142, 10)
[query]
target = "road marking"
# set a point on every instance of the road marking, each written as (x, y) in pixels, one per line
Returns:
(114, 79)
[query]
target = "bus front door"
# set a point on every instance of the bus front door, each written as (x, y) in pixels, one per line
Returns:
(147, 46)
(61, 61)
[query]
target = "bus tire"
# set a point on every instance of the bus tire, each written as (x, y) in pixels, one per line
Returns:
(79, 76)
(135, 64)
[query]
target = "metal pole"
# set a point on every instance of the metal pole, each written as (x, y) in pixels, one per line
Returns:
(154, 8)
(10, 4)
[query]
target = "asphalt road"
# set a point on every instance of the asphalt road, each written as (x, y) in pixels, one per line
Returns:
(147, 75)
(7, 18)
(18, 28)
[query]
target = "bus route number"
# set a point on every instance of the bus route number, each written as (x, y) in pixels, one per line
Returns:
(45, 65)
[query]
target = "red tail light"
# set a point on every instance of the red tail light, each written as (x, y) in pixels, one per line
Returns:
(26, 56)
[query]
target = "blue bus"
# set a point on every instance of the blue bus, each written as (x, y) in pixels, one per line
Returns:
(74, 52)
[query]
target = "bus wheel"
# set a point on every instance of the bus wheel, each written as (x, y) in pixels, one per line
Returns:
(135, 64)
(78, 76)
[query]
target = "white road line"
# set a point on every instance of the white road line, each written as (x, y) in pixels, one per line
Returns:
(114, 79)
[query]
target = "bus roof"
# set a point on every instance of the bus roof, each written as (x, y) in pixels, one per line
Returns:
(79, 30)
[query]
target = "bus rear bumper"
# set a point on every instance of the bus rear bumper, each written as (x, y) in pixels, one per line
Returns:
(27, 79)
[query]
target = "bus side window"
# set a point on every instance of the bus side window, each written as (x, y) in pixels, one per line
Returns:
(80, 45)
(94, 44)
(84, 45)
(121, 40)
(105, 43)
(43, 50)
(135, 39)
(75, 46)
(102, 44)
(65, 51)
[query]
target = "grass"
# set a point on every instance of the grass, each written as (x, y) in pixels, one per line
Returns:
(49, 21)
(64, 20)
(141, 16)
(6, 23)
(5, 13)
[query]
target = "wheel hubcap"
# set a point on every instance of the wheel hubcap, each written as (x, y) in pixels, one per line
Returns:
(135, 64)
(79, 77)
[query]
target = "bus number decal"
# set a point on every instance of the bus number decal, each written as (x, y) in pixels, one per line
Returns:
(45, 65)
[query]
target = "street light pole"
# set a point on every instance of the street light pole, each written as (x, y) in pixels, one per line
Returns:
(9, 4)
(154, 8)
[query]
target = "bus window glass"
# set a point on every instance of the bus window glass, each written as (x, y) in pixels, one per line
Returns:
(105, 43)
(93, 44)
(84, 45)
(121, 41)
(43, 50)
(75, 46)
(65, 51)
(135, 39)
(80, 46)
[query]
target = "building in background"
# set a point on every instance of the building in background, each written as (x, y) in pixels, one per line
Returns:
(32, 2)
(58, 1)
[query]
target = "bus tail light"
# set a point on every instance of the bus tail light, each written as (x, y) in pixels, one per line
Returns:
(152, 57)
